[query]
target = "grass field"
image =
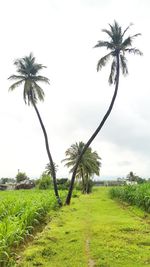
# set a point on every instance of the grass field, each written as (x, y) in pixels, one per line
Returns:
(94, 231)
(20, 212)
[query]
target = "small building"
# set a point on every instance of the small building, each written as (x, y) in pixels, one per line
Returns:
(131, 182)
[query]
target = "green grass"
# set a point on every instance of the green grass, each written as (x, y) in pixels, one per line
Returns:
(93, 231)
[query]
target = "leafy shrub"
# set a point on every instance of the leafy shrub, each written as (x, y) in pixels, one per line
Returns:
(78, 186)
(63, 184)
(45, 182)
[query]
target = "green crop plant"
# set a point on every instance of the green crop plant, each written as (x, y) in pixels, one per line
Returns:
(20, 212)
(138, 195)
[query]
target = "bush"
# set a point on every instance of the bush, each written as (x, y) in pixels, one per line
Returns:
(45, 182)
(63, 184)
(78, 186)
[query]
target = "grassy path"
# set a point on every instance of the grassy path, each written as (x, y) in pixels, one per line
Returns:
(93, 231)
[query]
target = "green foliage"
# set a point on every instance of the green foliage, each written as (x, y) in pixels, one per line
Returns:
(62, 180)
(21, 176)
(138, 195)
(84, 188)
(89, 165)
(78, 186)
(117, 47)
(45, 182)
(49, 170)
(20, 212)
(7, 180)
(63, 184)
(87, 187)
(27, 68)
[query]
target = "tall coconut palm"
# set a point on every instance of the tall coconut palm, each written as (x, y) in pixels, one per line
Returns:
(88, 166)
(118, 47)
(28, 75)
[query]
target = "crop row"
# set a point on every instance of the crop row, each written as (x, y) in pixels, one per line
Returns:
(138, 195)
(20, 212)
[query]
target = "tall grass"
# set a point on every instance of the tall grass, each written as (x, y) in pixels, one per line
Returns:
(138, 195)
(20, 212)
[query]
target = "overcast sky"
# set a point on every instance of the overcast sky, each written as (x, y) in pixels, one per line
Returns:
(61, 34)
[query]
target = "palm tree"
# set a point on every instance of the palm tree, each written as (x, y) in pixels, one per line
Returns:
(118, 47)
(88, 166)
(28, 74)
(49, 169)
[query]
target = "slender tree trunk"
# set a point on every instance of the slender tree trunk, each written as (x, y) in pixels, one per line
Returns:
(49, 155)
(83, 182)
(68, 199)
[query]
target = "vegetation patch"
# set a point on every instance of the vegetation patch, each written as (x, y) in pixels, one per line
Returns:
(20, 213)
(138, 195)
(95, 233)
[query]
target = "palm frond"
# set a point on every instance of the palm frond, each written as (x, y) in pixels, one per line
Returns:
(49, 168)
(123, 64)
(134, 51)
(21, 68)
(38, 91)
(36, 68)
(112, 72)
(108, 32)
(27, 95)
(108, 45)
(103, 61)
(116, 32)
(136, 35)
(16, 77)
(40, 79)
(15, 85)
(29, 58)
(127, 29)
(127, 42)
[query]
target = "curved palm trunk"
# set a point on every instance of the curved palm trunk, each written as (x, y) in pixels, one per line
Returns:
(49, 155)
(68, 199)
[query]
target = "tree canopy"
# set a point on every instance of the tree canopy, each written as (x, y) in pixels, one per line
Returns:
(89, 165)
(28, 71)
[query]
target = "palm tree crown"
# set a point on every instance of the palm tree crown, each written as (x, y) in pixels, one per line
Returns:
(49, 169)
(118, 46)
(28, 71)
(89, 164)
